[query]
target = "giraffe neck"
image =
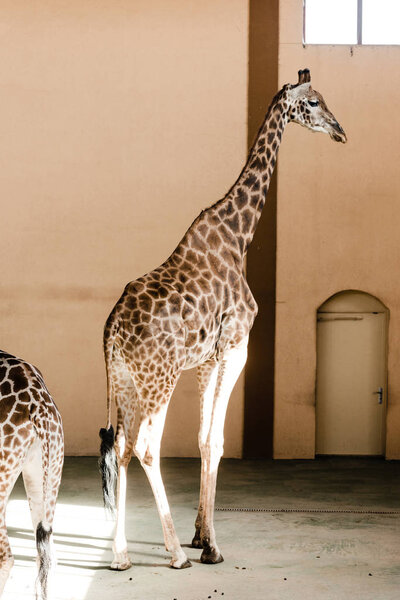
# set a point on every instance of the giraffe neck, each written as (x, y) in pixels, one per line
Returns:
(234, 218)
(241, 208)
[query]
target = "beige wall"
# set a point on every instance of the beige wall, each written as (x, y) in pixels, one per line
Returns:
(338, 219)
(120, 121)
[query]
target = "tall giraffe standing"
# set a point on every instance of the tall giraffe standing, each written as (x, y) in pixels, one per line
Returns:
(195, 310)
(31, 441)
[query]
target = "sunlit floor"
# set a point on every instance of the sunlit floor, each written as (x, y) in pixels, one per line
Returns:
(268, 556)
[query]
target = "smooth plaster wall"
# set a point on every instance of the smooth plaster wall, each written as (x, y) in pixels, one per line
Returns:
(120, 121)
(338, 219)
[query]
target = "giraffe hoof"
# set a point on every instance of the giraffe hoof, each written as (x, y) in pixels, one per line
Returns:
(118, 566)
(121, 562)
(196, 543)
(184, 565)
(211, 557)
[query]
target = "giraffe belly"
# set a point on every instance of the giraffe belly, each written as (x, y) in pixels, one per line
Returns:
(229, 332)
(197, 354)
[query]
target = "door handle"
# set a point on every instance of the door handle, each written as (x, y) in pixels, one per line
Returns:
(380, 395)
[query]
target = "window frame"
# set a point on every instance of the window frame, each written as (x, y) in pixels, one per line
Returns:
(359, 30)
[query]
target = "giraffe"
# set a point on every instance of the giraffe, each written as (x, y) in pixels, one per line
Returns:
(31, 441)
(195, 310)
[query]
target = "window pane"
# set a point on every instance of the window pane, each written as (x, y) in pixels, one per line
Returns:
(331, 22)
(381, 22)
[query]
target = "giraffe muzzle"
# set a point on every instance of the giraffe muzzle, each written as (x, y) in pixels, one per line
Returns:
(337, 133)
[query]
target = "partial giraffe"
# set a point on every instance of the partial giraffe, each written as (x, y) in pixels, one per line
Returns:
(31, 441)
(195, 310)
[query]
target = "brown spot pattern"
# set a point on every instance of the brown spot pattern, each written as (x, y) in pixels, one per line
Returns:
(28, 419)
(207, 309)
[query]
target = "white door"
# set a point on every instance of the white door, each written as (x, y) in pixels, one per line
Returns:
(351, 383)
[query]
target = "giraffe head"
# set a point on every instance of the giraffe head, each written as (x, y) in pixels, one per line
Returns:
(308, 108)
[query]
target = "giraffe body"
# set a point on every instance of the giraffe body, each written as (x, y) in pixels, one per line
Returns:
(195, 310)
(31, 442)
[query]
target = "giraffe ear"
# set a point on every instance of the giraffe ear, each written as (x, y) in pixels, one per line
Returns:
(304, 76)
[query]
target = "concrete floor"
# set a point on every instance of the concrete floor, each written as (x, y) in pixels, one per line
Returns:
(268, 556)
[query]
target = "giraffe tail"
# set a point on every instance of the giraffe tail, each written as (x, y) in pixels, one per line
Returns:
(108, 467)
(50, 462)
(43, 547)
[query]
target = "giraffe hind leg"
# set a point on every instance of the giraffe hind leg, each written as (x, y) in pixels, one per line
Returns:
(155, 394)
(10, 469)
(147, 449)
(6, 557)
(121, 560)
(125, 398)
(42, 516)
(32, 474)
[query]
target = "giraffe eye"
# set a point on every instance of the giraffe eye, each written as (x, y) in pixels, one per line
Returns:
(313, 102)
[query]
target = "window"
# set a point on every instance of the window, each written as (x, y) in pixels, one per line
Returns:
(351, 22)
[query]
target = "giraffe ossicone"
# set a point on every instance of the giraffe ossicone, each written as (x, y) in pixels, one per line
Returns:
(31, 442)
(195, 310)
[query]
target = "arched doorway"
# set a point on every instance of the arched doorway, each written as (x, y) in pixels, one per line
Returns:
(351, 386)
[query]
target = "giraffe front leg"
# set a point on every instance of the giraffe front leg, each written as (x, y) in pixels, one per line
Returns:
(211, 454)
(196, 541)
(211, 448)
(207, 374)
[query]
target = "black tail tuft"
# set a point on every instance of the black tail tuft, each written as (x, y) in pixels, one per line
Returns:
(108, 467)
(44, 555)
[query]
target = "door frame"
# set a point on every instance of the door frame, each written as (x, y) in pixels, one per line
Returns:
(355, 301)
